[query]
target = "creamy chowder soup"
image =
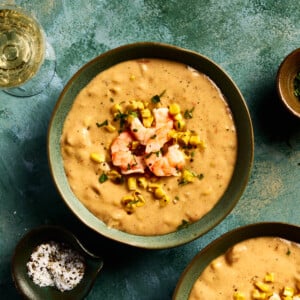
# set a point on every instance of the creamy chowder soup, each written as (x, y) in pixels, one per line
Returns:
(149, 146)
(258, 268)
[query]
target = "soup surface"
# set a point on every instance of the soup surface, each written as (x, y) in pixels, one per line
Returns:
(149, 146)
(258, 268)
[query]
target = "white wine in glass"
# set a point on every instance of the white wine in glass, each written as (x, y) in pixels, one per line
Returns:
(27, 61)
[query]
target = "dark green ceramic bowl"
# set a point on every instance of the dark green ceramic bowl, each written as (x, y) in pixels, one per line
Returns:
(286, 74)
(223, 243)
(24, 284)
(241, 118)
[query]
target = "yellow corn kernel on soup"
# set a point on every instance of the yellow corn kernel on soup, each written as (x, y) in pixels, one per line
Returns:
(258, 268)
(149, 146)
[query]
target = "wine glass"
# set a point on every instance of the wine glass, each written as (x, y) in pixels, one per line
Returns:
(27, 60)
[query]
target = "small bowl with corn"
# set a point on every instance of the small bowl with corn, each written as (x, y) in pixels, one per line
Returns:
(243, 127)
(261, 287)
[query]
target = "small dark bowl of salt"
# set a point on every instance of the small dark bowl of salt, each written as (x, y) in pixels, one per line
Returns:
(49, 262)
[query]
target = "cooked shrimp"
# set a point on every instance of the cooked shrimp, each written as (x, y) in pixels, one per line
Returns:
(123, 157)
(155, 137)
(168, 164)
(140, 132)
(157, 140)
(162, 117)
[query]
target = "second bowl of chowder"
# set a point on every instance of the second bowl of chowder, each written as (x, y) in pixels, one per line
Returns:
(150, 144)
(256, 261)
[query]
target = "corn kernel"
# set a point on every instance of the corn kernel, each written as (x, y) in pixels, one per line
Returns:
(188, 176)
(159, 193)
(140, 201)
(257, 295)
(152, 186)
(140, 105)
(239, 296)
(146, 113)
(262, 286)
(173, 134)
(147, 122)
(184, 137)
(129, 202)
(288, 291)
(131, 106)
(115, 175)
(174, 109)
(131, 183)
(130, 118)
(110, 128)
(97, 157)
(134, 105)
(178, 117)
(142, 182)
(116, 108)
(164, 200)
(194, 140)
(180, 124)
(127, 198)
(270, 277)
(132, 77)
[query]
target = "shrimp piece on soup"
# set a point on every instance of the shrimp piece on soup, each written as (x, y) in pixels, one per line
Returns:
(123, 157)
(140, 132)
(168, 164)
(153, 138)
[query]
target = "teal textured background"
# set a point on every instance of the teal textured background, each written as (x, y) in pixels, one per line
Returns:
(248, 39)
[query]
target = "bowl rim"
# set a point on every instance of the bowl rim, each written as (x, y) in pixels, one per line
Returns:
(222, 243)
(160, 50)
(279, 81)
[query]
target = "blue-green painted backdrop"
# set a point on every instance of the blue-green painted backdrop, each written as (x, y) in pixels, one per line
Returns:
(249, 39)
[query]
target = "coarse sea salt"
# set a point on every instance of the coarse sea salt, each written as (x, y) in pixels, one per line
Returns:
(55, 264)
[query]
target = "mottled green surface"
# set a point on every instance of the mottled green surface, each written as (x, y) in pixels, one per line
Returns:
(248, 40)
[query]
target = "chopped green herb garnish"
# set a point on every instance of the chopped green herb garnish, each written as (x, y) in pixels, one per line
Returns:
(122, 118)
(188, 114)
(135, 130)
(102, 124)
(103, 177)
(184, 224)
(200, 176)
(288, 252)
(111, 100)
(183, 181)
(153, 136)
(156, 99)
(157, 153)
(133, 113)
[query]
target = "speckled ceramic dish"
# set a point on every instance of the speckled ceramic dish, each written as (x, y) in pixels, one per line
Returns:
(24, 284)
(241, 118)
(223, 243)
(287, 72)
